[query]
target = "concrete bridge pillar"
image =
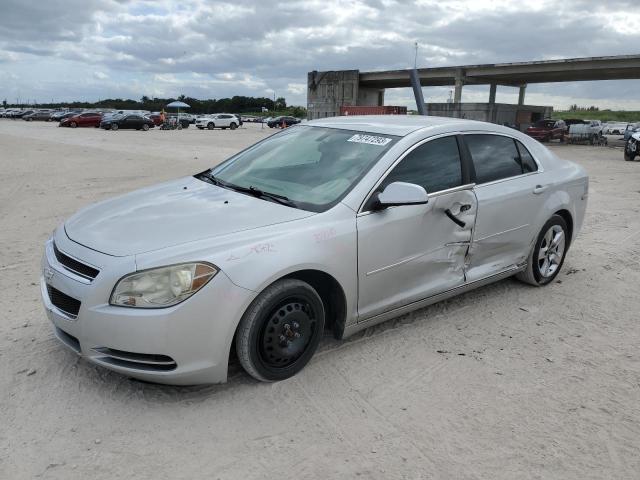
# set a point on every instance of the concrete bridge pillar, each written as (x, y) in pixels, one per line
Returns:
(492, 93)
(523, 88)
(457, 96)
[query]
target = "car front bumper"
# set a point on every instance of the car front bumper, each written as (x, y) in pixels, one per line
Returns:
(186, 344)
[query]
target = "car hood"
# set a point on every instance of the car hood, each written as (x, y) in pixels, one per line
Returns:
(170, 214)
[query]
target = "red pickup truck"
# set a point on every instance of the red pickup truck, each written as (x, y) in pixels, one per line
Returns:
(546, 130)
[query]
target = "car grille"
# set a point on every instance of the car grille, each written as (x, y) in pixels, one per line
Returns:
(74, 266)
(137, 361)
(63, 302)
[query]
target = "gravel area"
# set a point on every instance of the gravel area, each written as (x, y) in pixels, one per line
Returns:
(505, 382)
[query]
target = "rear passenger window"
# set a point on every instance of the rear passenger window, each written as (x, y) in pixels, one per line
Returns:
(434, 165)
(528, 163)
(494, 157)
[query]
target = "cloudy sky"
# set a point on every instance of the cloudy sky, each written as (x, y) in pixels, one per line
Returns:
(91, 49)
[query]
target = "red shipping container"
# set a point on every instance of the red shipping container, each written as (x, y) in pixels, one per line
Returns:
(372, 110)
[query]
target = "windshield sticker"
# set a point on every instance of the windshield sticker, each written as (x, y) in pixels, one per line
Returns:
(369, 139)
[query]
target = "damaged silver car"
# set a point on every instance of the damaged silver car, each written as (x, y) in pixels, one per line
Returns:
(337, 224)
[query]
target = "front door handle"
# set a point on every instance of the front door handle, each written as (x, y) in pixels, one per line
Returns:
(539, 189)
(454, 219)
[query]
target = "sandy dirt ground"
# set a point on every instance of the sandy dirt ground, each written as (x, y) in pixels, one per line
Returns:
(505, 382)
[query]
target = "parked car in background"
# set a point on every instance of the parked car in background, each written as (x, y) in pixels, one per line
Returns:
(547, 130)
(283, 120)
(41, 115)
(341, 224)
(136, 122)
(218, 120)
(632, 147)
(57, 116)
(616, 128)
(630, 130)
(591, 131)
(85, 119)
(20, 113)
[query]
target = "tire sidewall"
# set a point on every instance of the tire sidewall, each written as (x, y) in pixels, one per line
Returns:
(555, 220)
(259, 313)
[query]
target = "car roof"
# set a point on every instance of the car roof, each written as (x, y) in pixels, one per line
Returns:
(402, 125)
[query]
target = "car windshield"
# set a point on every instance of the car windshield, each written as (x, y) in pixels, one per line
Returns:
(313, 167)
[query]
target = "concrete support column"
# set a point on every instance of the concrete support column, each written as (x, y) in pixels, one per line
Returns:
(492, 93)
(457, 96)
(523, 88)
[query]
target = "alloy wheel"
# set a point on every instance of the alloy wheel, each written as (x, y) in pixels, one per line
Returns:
(551, 251)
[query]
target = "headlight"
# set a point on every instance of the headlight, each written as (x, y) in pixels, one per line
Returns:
(162, 287)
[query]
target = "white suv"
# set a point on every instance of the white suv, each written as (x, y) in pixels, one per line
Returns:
(218, 120)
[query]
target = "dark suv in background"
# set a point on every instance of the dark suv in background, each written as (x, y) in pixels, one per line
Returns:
(279, 121)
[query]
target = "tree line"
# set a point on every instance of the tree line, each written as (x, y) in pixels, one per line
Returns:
(236, 104)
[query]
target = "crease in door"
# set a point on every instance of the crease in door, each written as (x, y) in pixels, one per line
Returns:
(403, 261)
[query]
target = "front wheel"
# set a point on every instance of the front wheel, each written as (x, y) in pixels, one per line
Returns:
(280, 331)
(629, 154)
(145, 127)
(73, 124)
(233, 126)
(114, 126)
(546, 258)
(210, 126)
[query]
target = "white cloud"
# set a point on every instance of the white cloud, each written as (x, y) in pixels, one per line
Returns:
(251, 47)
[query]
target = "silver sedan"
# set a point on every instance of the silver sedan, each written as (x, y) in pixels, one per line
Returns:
(334, 225)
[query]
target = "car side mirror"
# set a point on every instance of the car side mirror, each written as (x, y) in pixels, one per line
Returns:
(401, 193)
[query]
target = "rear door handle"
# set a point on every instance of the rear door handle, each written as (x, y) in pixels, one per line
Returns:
(540, 189)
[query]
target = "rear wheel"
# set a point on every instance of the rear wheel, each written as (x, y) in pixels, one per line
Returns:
(73, 124)
(145, 127)
(211, 126)
(280, 331)
(114, 126)
(233, 126)
(547, 256)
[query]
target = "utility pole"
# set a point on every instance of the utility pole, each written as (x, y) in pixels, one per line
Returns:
(415, 59)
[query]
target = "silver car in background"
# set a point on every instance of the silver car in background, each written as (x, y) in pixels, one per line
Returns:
(334, 225)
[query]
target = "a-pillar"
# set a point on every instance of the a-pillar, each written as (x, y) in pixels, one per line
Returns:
(523, 88)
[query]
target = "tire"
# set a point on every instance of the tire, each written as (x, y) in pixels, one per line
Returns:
(211, 126)
(73, 124)
(145, 127)
(542, 269)
(114, 126)
(280, 331)
(233, 126)
(628, 156)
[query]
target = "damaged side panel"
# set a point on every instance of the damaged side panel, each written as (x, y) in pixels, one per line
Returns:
(411, 252)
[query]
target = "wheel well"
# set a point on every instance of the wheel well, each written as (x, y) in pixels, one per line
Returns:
(333, 298)
(567, 218)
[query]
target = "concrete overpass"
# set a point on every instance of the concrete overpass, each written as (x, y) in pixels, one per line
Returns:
(366, 88)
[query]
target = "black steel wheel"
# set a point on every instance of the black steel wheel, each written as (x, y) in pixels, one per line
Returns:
(280, 331)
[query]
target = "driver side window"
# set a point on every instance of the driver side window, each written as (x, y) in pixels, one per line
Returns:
(434, 165)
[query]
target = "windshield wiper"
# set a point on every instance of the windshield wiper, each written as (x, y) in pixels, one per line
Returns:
(251, 190)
